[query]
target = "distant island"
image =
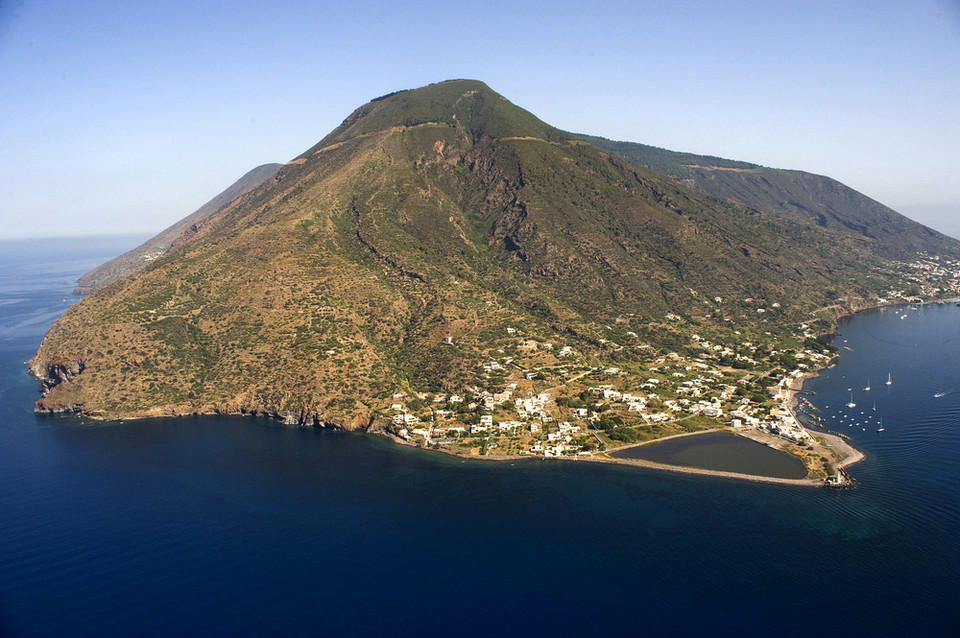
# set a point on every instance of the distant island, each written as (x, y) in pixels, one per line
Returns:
(133, 260)
(448, 270)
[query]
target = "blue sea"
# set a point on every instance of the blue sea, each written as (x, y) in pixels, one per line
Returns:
(242, 527)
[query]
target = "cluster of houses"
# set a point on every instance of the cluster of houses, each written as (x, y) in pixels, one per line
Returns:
(719, 350)
(778, 421)
(683, 386)
(705, 394)
(557, 443)
(637, 402)
(527, 409)
(703, 382)
(933, 276)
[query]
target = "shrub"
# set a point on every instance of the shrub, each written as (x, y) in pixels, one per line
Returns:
(625, 434)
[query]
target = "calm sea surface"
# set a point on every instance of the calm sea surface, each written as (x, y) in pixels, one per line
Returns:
(227, 527)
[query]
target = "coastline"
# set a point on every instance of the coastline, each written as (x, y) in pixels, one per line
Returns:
(836, 442)
(850, 456)
(845, 453)
(608, 460)
(812, 535)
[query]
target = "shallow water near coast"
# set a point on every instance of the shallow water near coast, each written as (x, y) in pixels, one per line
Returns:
(231, 526)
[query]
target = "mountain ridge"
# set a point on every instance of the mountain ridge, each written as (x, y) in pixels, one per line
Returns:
(133, 260)
(792, 194)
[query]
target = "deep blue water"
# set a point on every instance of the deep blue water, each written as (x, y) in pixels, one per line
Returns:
(225, 527)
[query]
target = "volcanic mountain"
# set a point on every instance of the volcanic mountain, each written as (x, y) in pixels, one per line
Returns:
(394, 255)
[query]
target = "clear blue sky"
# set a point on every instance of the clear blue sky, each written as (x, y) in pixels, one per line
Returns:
(125, 116)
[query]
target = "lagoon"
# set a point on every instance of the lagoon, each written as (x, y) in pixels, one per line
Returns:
(721, 452)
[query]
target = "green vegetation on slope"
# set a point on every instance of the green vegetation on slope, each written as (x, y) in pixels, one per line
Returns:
(790, 194)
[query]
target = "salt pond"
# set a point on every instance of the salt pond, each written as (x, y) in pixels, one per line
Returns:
(721, 452)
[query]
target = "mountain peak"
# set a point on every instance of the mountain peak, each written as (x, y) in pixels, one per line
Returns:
(470, 105)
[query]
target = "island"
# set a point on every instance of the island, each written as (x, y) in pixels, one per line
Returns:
(446, 269)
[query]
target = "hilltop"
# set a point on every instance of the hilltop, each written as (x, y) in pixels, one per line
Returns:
(443, 241)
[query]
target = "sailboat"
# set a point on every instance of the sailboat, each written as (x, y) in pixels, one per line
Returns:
(851, 404)
(889, 379)
(880, 429)
(867, 389)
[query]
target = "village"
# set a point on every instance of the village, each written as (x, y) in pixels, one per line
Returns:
(549, 401)
(571, 409)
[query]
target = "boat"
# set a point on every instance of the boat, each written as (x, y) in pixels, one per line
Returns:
(889, 379)
(880, 429)
(867, 389)
(851, 404)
